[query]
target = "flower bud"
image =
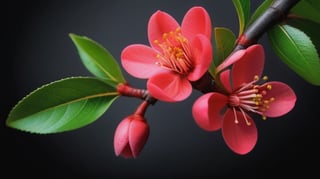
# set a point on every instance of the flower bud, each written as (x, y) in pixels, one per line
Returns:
(130, 136)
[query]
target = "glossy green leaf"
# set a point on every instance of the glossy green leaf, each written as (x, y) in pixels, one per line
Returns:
(243, 12)
(257, 13)
(296, 50)
(310, 28)
(309, 9)
(62, 105)
(97, 59)
(224, 40)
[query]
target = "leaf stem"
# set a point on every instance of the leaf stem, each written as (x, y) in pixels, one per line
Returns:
(127, 90)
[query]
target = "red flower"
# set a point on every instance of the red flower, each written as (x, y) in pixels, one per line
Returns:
(130, 136)
(241, 94)
(176, 55)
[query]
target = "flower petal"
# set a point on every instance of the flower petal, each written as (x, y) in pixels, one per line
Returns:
(284, 99)
(169, 87)
(231, 59)
(196, 21)
(126, 152)
(159, 23)
(224, 78)
(240, 137)
(250, 65)
(140, 61)
(121, 139)
(138, 135)
(202, 55)
(208, 111)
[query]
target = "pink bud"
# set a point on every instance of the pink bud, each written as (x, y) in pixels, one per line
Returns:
(130, 136)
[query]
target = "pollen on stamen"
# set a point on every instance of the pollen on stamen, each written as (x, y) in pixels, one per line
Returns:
(269, 87)
(264, 117)
(265, 78)
(164, 35)
(156, 41)
(256, 78)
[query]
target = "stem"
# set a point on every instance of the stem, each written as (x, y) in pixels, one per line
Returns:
(141, 110)
(126, 90)
(205, 84)
(277, 11)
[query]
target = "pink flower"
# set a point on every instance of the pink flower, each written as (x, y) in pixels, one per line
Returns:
(130, 136)
(240, 94)
(176, 55)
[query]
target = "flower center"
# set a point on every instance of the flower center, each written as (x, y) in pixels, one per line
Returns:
(176, 54)
(252, 98)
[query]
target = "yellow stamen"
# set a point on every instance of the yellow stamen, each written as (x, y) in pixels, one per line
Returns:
(165, 36)
(176, 54)
(269, 87)
(265, 78)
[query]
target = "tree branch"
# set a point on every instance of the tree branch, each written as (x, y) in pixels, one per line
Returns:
(277, 12)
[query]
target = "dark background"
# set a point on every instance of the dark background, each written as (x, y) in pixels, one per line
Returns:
(36, 50)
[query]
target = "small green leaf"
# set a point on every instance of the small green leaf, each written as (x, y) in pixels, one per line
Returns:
(243, 12)
(309, 9)
(97, 59)
(296, 50)
(257, 13)
(62, 105)
(224, 42)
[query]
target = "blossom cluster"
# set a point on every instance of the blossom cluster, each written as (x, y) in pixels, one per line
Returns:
(178, 56)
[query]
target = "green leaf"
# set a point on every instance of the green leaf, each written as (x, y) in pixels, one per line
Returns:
(296, 50)
(243, 12)
(97, 59)
(261, 9)
(62, 105)
(310, 28)
(309, 9)
(224, 42)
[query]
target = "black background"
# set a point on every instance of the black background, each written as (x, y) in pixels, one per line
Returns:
(36, 50)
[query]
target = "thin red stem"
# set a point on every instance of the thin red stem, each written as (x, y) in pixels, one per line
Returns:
(126, 90)
(142, 108)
